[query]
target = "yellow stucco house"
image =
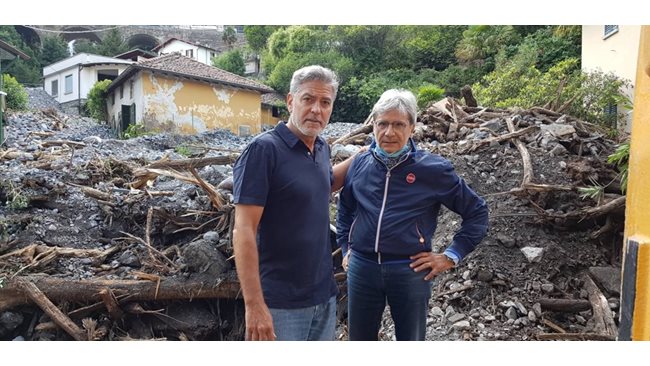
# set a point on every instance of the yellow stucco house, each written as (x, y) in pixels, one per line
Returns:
(174, 93)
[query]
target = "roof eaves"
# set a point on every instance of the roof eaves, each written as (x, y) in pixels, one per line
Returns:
(205, 79)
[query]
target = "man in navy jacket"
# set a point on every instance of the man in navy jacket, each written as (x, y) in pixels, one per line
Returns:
(387, 215)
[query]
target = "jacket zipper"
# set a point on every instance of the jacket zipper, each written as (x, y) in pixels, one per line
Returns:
(381, 215)
(419, 234)
(383, 205)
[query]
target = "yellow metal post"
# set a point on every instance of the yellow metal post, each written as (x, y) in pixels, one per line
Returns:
(635, 294)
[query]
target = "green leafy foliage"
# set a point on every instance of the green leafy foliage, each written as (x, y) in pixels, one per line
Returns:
(258, 35)
(17, 97)
(429, 93)
(518, 83)
(85, 46)
(15, 198)
(113, 44)
(26, 72)
(280, 77)
(595, 191)
(54, 49)
(183, 150)
(134, 130)
(231, 61)
(484, 41)
(96, 102)
(621, 158)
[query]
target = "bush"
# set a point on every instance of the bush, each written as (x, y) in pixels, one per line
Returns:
(429, 93)
(134, 130)
(231, 61)
(16, 95)
(520, 84)
(96, 103)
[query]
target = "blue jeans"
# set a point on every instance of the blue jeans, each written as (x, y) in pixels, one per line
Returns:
(372, 285)
(314, 323)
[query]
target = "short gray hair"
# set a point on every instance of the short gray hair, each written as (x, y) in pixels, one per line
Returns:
(396, 99)
(311, 73)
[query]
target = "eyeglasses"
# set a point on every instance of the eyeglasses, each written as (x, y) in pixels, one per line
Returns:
(398, 126)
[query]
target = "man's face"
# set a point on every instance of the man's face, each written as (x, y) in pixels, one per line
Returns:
(311, 107)
(392, 130)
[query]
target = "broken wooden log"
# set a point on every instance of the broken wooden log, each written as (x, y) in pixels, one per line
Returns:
(366, 128)
(37, 296)
(564, 305)
(466, 93)
(505, 137)
(111, 303)
(73, 144)
(574, 337)
(553, 326)
(602, 316)
(525, 155)
(84, 291)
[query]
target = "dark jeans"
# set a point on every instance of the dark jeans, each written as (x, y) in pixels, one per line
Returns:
(371, 285)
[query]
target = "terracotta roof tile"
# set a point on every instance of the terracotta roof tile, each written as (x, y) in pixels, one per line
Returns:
(184, 66)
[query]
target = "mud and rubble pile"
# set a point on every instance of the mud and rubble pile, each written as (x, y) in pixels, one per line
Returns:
(102, 238)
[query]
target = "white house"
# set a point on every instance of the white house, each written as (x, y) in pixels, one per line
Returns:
(70, 80)
(195, 51)
(612, 48)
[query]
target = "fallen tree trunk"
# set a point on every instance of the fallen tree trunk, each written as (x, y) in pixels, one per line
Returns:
(84, 291)
(565, 305)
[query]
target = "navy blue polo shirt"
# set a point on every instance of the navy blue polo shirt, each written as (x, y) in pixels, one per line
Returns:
(277, 171)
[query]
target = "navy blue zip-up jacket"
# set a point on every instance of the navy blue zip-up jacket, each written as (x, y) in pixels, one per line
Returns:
(395, 212)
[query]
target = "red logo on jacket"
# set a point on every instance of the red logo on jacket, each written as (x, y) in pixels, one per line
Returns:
(410, 178)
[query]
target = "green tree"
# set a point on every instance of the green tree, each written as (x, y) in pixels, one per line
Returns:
(96, 103)
(229, 36)
(113, 44)
(26, 72)
(280, 77)
(431, 46)
(231, 61)
(553, 46)
(53, 49)
(17, 97)
(370, 47)
(481, 42)
(85, 46)
(258, 35)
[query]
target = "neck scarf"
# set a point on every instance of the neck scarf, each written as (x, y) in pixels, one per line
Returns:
(392, 159)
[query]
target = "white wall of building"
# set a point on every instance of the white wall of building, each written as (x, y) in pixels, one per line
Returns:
(199, 53)
(617, 53)
(82, 78)
(129, 97)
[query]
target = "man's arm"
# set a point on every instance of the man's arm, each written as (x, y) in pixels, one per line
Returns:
(341, 169)
(259, 323)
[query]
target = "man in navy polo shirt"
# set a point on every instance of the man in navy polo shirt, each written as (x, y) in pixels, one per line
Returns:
(282, 184)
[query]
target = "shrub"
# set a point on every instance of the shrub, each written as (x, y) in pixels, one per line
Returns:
(134, 130)
(429, 93)
(96, 103)
(16, 95)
